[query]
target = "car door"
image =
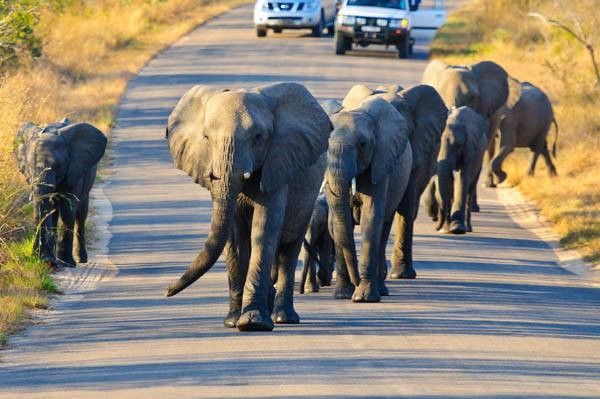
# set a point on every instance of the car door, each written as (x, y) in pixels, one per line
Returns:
(426, 17)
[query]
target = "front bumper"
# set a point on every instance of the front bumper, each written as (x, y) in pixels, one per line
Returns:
(386, 35)
(288, 20)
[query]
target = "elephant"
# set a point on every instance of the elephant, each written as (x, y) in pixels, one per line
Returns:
(261, 154)
(463, 145)
(425, 113)
(370, 144)
(318, 246)
(483, 86)
(525, 124)
(59, 162)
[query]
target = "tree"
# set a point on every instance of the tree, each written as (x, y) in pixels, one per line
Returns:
(18, 20)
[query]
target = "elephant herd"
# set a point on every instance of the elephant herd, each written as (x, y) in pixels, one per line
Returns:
(285, 172)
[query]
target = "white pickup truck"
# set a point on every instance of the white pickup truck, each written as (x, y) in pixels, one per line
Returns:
(386, 22)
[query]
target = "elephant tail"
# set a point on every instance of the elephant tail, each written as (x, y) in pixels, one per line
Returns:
(555, 137)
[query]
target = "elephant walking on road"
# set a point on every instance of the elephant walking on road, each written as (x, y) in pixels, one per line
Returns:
(525, 125)
(59, 162)
(448, 196)
(261, 154)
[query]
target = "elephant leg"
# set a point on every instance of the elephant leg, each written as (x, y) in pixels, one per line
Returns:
(343, 285)
(283, 311)
(267, 221)
(80, 249)
(548, 161)
(508, 136)
(534, 158)
(382, 262)
(237, 259)
(430, 202)
(472, 192)
(487, 161)
(65, 241)
(308, 283)
(459, 203)
(402, 263)
(325, 260)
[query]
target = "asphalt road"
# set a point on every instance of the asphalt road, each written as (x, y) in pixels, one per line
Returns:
(490, 315)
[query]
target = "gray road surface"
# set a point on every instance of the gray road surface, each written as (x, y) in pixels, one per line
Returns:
(491, 314)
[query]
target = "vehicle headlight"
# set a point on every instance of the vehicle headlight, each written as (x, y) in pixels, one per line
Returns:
(346, 19)
(399, 23)
(361, 20)
(382, 22)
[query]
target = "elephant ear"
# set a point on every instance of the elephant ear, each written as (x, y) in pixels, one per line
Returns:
(187, 144)
(86, 147)
(300, 133)
(432, 72)
(391, 137)
(23, 141)
(331, 107)
(427, 112)
(356, 95)
(515, 89)
(492, 81)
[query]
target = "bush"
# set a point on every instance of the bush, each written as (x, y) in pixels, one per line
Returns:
(18, 40)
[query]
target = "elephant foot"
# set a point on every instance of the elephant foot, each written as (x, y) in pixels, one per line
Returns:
(271, 298)
(343, 289)
(230, 321)
(254, 320)
(469, 228)
(383, 289)
(323, 279)
(367, 291)
(64, 263)
(403, 273)
(457, 227)
(311, 287)
(501, 176)
(66, 260)
(286, 315)
(82, 257)
(475, 207)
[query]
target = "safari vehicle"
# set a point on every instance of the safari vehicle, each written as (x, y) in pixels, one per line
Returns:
(386, 22)
(315, 15)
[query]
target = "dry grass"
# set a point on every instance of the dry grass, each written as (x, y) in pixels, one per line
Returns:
(556, 63)
(88, 59)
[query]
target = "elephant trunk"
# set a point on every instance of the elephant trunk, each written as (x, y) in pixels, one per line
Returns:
(45, 242)
(340, 172)
(444, 191)
(224, 191)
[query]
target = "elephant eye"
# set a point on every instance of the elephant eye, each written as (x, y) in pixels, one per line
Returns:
(258, 139)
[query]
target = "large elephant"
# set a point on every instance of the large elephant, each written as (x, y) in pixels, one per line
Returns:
(59, 162)
(370, 144)
(260, 153)
(463, 145)
(318, 248)
(525, 124)
(425, 113)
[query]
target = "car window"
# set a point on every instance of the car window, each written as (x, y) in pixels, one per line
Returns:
(401, 4)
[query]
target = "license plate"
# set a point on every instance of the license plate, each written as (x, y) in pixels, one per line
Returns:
(370, 28)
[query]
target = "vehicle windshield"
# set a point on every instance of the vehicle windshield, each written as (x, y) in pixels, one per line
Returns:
(400, 4)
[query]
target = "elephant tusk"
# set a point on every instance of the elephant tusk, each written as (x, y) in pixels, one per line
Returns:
(247, 175)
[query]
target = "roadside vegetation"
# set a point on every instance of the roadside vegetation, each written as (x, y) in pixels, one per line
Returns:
(67, 58)
(531, 40)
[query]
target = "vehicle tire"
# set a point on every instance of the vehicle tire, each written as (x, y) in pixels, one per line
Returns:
(342, 43)
(277, 30)
(261, 32)
(404, 47)
(317, 31)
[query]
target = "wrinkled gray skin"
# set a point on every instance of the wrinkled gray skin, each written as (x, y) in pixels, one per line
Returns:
(260, 153)
(463, 145)
(526, 124)
(318, 246)
(369, 143)
(425, 114)
(483, 86)
(59, 162)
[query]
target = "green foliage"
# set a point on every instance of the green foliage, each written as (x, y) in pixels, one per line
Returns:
(18, 20)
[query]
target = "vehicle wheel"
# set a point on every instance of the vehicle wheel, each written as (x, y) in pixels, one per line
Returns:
(277, 30)
(342, 43)
(261, 32)
(404, 48)
(318, 30)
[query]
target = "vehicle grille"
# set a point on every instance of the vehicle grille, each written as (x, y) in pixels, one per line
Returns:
(287, 18)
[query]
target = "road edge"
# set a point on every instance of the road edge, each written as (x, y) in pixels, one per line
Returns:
(529, 217)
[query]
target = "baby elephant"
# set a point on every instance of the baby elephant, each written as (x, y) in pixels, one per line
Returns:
(59, 162)
(525, 125)
(318, 246)
(462, 148)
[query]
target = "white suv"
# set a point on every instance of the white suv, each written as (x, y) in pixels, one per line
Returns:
(294, 14)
